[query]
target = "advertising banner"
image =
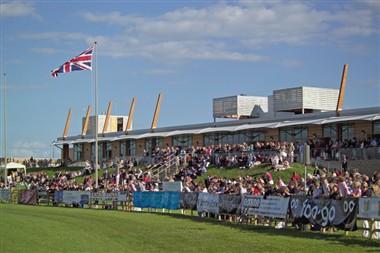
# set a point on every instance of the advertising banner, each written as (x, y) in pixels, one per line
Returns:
(75, 197)
(271, 206)
(208, 203)
(28, 197)
(189, 200)
(5, 195)
(167, 200)
(325, 212)
(229, 204)
(58, 196)
(369, 208)
(109, 196)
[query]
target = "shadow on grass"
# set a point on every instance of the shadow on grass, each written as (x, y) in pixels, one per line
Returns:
(333, 238)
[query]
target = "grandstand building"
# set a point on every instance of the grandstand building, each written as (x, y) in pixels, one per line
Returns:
(293, 115)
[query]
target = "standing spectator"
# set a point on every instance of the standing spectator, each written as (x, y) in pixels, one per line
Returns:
(344, 164)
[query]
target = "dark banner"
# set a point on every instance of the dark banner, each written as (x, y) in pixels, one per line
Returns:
(28, 197)
(189, 200)
(229, 204)
(325, 212)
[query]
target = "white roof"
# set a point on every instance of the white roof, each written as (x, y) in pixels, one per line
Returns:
(284, 123)
(13, 165)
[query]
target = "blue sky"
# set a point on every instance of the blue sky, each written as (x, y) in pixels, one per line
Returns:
(191, 51)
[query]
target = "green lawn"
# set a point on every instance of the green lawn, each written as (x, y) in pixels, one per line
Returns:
(51, 229)
(256, 172)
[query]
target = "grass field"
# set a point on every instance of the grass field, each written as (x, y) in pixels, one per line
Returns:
(51, 229)
(256, 172)
(212, 171)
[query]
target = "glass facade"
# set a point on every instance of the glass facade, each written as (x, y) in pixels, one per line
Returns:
(232, 138)
(182, 140)
(330, 131)
(293, 134)
(123, 149)
(108, 150)
(347, 132)
(152, 143)
(78, 152)
(100, 151)
(376, 127)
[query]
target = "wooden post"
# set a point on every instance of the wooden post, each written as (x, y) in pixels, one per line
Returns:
(342, 89)
(105, 127)
(86, 120)
(131, 114)
(156, 112)
(67, 125)
(371, 229)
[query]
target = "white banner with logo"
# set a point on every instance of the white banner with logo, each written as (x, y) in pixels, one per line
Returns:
(109, 196)
(369, 208)
(272, 206)
(77, 197)
(172, 186)
(208, 203)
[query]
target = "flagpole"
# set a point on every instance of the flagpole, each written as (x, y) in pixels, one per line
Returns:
(96, 116)
(5, 128)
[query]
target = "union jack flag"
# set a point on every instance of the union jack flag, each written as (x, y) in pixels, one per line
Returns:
(80, 62)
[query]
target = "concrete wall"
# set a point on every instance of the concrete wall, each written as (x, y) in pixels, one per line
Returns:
(271, 134)
(314, 130)
(197, 138)
(167, 141)
(87, 151)
(360, 126)
(140, 144)
(116, 150)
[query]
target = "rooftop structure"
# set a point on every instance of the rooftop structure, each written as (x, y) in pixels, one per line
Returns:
(239, 107)
(305, 99)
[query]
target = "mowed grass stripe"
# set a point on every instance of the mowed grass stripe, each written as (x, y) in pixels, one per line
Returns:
(49, 229)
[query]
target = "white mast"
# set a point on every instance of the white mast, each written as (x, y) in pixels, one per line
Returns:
(5, 128)
(96, 116)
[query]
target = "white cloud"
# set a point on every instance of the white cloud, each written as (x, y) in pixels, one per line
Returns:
(17, 9)
(234, 32)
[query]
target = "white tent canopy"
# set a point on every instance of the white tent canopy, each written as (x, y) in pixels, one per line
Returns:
(12, 166)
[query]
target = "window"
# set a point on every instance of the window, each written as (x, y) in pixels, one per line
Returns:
(212, 139)
(182, 140)
(132, 147)
(221, 138)
(120, 122)
(100, 151)
(123, 149)
(152, 143)
(251, 136)
(347, 132)
(376, 127)
(129, 148)
(293, 134)
(108, 149)
(329, 131)
(78, 152)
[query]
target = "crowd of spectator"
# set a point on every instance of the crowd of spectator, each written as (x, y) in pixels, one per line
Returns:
(193, 162)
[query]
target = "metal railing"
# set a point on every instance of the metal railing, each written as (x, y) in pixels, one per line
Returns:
(168, 168)
(368, 153)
